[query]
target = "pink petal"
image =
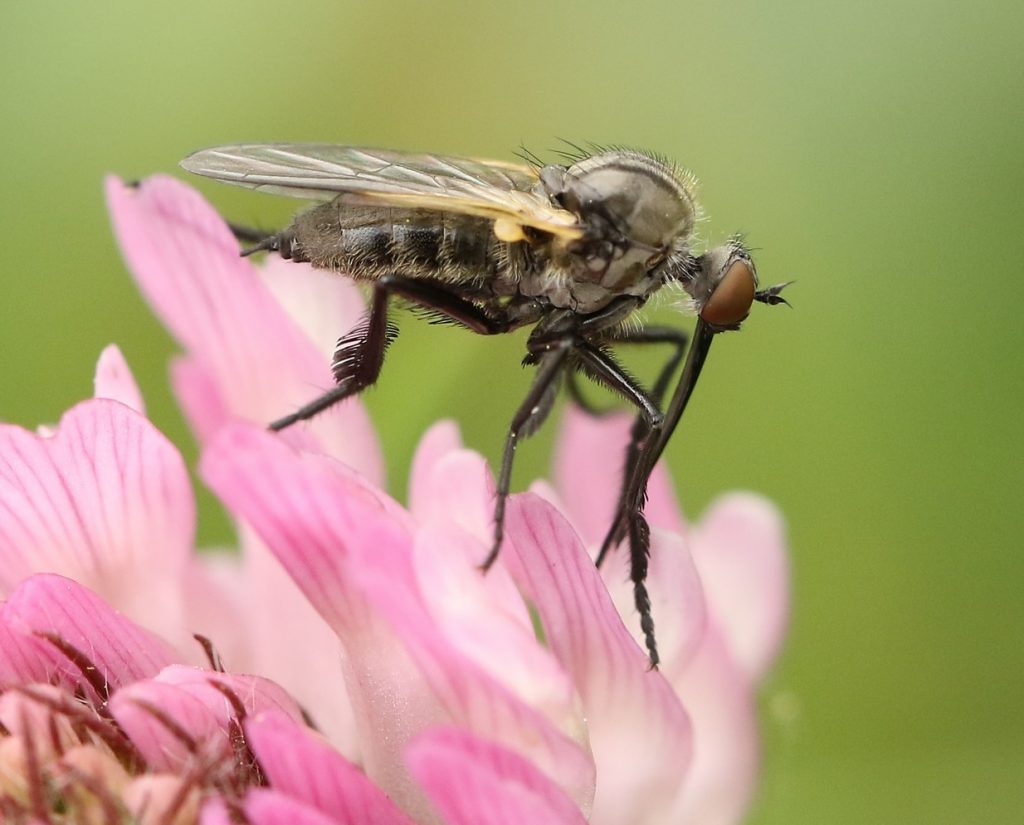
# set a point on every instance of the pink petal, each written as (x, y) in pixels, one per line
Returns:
(162, 799)
(473, 781)
(459, 490)
(106, 501)
(86, 760)
(215, 812)
(220, 692)
(325, 305)
(348, 548)
(301, 504)
(269, 807)
(588, 474)
(206, 409)
(311, 671)
(676, 593)
(114, 380)
(440, 440)
(740, 551)
(200, 397)
(213, 594)
(721, 781)
(485, 617)
(639, 732)
(301, 765)
(187, 264)
(153, 713)
(30, 716)
(120, 651)
(24, 658)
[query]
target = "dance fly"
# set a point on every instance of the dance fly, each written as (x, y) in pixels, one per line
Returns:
(572, 250)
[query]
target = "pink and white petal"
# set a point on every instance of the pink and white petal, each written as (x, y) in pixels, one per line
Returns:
(305, 507)
(214, 596)
(640, 735)
(296, 647)
(215, 812)
(542, 488)
(721, 781)
(458, 490)
(199, 396)
(100, 766)
(114, 380)
(473, 781)
(437, 442)
(677, 598)
(449, 483)
(300, 764)
(349, 551)
(486, 618)
(740, 552)
(79, 623)
(106, 501)
(231, 695)
(205, 408)
(28, 714)
(470, 697)
(162, 799)
(157, 717)
(588, 474)
(662, 508)
(324, 305)
(187, 265)
(264, 806)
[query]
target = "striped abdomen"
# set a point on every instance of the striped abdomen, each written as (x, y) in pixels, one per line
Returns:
(367, 242)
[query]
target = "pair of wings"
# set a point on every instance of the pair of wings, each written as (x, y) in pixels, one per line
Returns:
(322, 171)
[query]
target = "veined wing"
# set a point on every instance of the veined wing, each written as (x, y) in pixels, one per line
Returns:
(321, 171)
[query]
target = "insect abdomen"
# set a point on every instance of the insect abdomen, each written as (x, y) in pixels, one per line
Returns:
(367, 242)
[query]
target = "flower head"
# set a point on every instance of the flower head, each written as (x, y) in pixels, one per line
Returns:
(440, 694)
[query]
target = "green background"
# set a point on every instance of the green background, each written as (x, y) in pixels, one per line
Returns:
(872, 151)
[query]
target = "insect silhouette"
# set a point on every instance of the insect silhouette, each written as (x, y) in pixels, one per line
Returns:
(572, 250)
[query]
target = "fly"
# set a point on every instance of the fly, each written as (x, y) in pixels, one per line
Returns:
(572, 251)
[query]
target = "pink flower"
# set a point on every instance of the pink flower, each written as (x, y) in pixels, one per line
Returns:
(444, 695)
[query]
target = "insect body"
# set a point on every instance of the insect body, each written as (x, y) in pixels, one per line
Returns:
(572, 250)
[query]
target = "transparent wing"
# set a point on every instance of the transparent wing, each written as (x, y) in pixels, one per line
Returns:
(322, 171)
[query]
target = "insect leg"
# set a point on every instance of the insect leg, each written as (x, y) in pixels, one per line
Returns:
(360, 354)
(550, 346)
(572, 384)
(260, 240)
(650, 335)
(629, 517)
(650, 423)
(629, 514)
(598, 326)
(525, 422)
(659, 335)
(249, 234)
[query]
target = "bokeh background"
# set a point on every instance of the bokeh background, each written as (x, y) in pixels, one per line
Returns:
(872, 151)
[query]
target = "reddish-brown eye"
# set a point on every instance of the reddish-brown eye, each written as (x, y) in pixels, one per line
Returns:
(730, 302)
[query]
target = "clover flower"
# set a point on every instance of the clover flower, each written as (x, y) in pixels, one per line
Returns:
(353, 664)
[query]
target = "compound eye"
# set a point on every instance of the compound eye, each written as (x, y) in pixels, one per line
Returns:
(730, 302)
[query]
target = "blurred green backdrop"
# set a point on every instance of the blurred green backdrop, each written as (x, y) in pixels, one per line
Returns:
(871, 151)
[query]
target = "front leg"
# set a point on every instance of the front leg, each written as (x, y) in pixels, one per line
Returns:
(555, 352)
(646, 336)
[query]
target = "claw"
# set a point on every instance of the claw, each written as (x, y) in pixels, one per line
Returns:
(770, 295)
(268, 244)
